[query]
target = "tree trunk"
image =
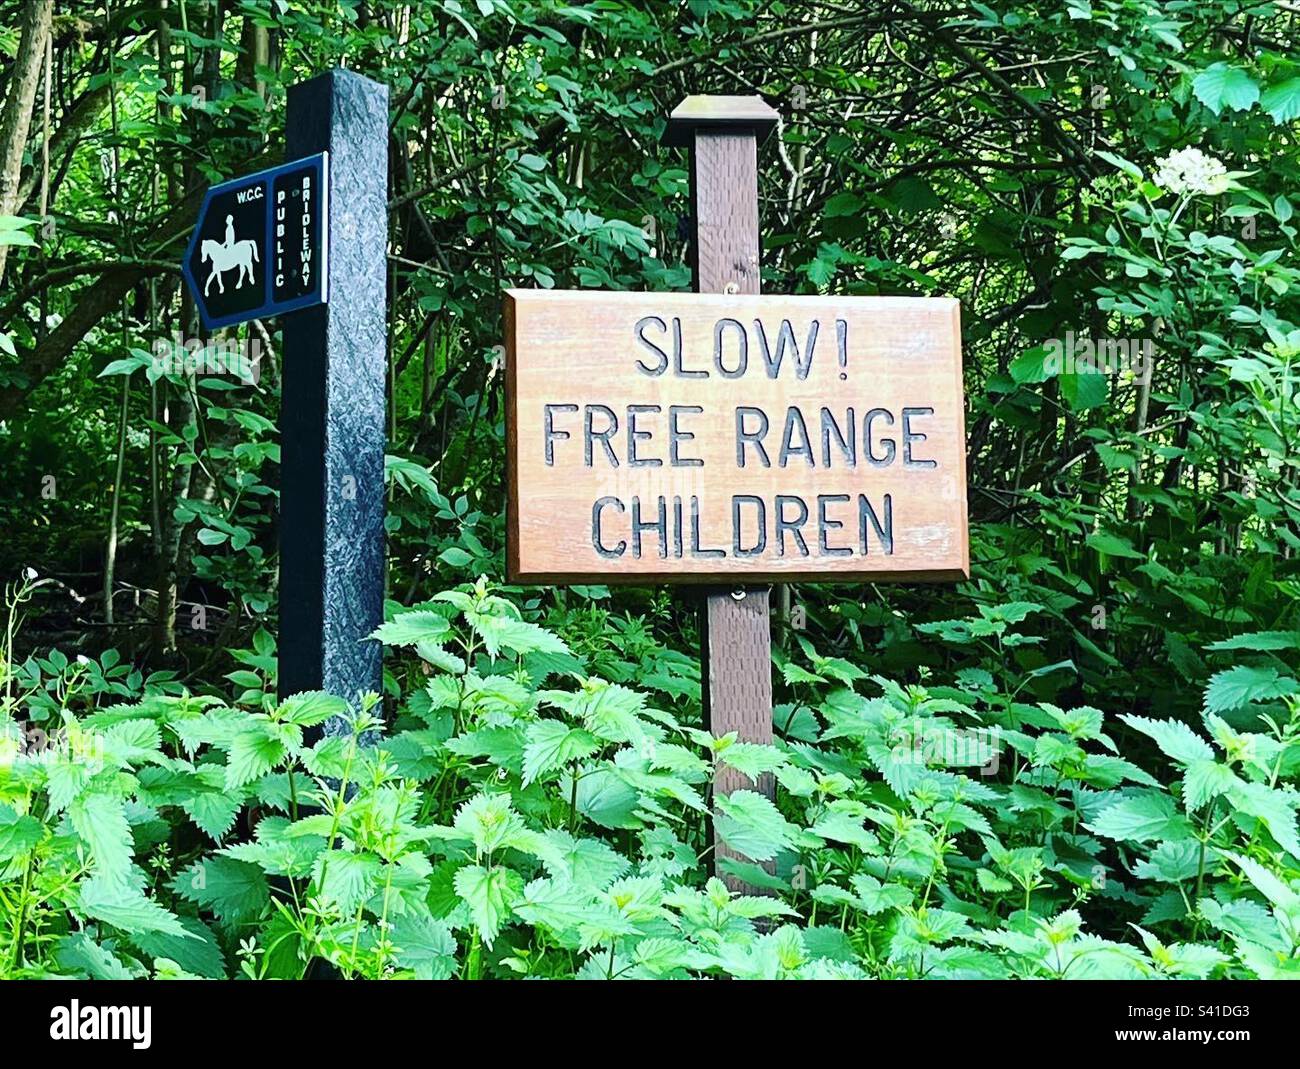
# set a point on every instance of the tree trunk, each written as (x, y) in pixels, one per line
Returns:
(19, 105)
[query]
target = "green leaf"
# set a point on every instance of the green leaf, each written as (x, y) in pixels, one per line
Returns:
(752, 759)
(425, 945)
(992, 883)
(311, 708)
(18, 834)
(1270, 806)
(1282, 101)
(1084, 390)
(1269, 885)
(214, 811)
(1130, 169)
(1235, 687)
(604, 798)
(489, 822)
(1220, 85)
(552, 744)
(875, 897)
(1259, 640)
(236, 892)
(100, 820)
(489, 893)
(1030, 366)
(609, 711)
(843, 823)
(1140, 818)
(408, 628)
(80, 954)
(498, 632)
(1172, 861)
(843, 204)
(125, 366)
(587, 863)
(1174, 738)
(346, 879)
(196, 952)
(127, 908)
(254, 751)
(751, 825)
(1204, 780)
(1113, 545)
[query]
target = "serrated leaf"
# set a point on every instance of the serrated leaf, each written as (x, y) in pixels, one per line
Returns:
(875, 897)
(489, 822)
(1204, 780)
(1269, 805)
(100, 821)
(125, 907)
(498, 632)
(236, 892)
(253, 752)
(214, 811)
(310, 708)
(609, 711)
(1173, 861)
(1141, 818)
(18, 834)
(992, 883)
(1235, 687)
(752, 759)
(65, 778)
(1260, 640)
(196, 952)
(346, 879)
(489, 893)
(751, 825)
(586, 863)
(80, 954)
(408, 628)
(1175, 739)
(843, 823)
(552, 744)
(424, 945)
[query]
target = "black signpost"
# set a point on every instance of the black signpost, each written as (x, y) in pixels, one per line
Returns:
(333, 405)
(310, 238)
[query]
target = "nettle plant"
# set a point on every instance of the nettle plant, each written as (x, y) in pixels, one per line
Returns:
(518, 815)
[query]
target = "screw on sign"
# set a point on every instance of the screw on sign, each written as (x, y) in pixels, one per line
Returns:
(258, 248)
(731, 440)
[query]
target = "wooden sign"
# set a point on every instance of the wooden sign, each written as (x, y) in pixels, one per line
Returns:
(683, 437)
(258, 248)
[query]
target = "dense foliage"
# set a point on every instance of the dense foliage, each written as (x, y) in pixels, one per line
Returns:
(1082, 763)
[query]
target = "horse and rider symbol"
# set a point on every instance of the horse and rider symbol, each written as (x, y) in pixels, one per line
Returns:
(258, 247)
(239, 255)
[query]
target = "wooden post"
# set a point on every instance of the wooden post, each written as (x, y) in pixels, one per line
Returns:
(722, 133)
(333, 405)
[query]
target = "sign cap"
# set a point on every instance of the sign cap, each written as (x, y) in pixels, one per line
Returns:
(735, 113)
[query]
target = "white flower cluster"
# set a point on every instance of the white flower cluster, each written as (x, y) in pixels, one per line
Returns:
(1190, 170)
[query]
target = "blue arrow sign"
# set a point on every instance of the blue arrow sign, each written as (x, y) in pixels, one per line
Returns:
(259, 246)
